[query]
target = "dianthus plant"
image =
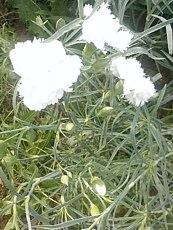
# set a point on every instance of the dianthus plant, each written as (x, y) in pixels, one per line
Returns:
(90, 70)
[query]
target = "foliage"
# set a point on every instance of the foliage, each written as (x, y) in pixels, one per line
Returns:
(7, 77)
(56, 163)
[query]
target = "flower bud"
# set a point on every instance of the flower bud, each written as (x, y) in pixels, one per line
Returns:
(106, 111)
(94, 210)
(98, 186)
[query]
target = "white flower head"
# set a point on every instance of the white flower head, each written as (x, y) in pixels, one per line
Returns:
(128, 68)
(46, 71)
(139, 91)
(102, 28)
(122, 39)
(87, 10)
(136, 89)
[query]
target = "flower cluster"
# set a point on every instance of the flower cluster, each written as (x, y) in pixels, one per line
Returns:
(137, 88)
(103, 28)
(46, 71)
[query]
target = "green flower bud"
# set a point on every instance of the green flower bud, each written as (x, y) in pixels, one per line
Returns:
(106, 111)
(98, 186)
(70, 127)
(94, 210)
(119, 87)
(64, 179)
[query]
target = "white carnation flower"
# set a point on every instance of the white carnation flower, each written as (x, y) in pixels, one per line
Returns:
(46, 71)
(87, 10)
(102, 28)
(121, 40)
(139, 91)
(126, 68)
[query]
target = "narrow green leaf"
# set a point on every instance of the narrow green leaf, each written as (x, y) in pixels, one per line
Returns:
(159, 101)
(122, 8)
(8, 184)
(67, 224)
(151, 30)
(80, 7)
(37, 216)
(168, 33)
(66, 28)
(140, 50)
